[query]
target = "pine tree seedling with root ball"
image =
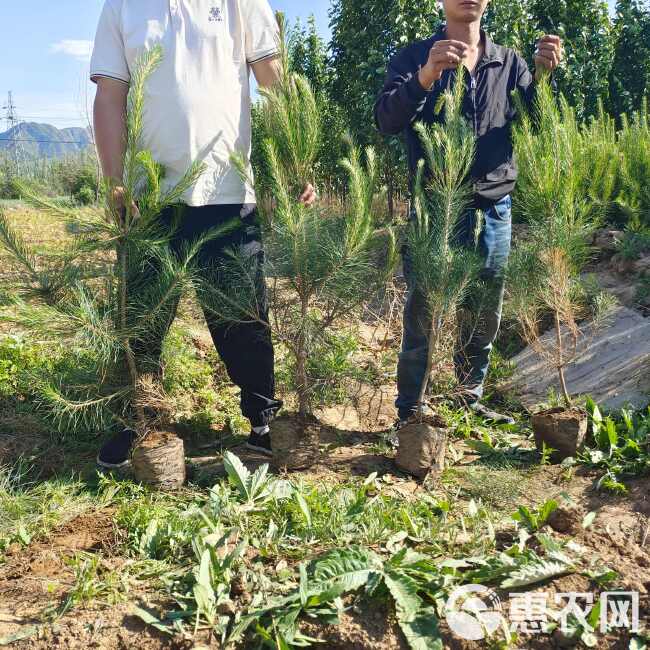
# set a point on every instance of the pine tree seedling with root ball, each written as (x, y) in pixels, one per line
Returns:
(443, 268)
(545, 270)
(323, 262)
(94, 299)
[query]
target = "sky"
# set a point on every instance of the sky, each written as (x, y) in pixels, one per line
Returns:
(45, 50)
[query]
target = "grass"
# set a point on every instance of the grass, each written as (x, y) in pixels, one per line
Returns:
(231, 561)
(500, 489)
(30, 511)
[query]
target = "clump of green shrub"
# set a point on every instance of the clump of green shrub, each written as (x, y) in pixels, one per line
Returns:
(76, 177)
(634, 244)
(333, 366)
(19, 361)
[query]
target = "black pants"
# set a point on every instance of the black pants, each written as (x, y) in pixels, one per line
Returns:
(245, 347)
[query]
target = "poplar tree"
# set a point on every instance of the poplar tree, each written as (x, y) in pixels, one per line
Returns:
(366, 34)
(630, 74)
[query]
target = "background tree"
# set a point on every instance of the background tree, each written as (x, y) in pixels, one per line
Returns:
(629, 77)
(365, 35)
(511, 24)
(586, 28)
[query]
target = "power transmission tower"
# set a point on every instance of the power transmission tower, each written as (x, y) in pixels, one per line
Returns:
(12, 120)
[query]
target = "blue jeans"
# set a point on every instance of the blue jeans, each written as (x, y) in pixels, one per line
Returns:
(472, 356)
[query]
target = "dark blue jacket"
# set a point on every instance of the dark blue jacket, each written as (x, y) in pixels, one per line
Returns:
(488, 106)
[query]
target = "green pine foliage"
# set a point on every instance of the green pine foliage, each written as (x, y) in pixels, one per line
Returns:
(442, 266)
(545, 271)
(325, 261)
(101, 308)
(634, 143)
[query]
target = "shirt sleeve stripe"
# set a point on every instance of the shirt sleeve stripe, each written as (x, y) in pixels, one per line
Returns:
(269, 54)
(96, 75)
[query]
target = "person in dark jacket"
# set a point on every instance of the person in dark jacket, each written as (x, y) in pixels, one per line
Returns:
(416, 78)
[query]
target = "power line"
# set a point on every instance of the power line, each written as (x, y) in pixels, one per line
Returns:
(52, 118)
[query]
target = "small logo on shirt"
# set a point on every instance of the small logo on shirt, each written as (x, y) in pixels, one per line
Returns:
(216, 16)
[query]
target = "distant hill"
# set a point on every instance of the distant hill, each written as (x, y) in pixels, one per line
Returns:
(44, 140)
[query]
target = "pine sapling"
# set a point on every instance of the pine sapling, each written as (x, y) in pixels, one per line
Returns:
(323, 262)
(546, 270)
(442, 265)
(442, 262)
(94, 298)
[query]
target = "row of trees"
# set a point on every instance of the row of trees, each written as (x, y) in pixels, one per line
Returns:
(607, 62)
(74, 176)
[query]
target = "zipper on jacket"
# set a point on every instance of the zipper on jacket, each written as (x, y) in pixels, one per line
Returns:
(473, 85)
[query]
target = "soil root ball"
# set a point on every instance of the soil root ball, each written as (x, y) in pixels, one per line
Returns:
(422, 447)
(159, 460)
(561, 429)
(295, 442)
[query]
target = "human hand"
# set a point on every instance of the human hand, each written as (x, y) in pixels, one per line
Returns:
(117, 204)
(308, 196)
(548, 54)
(444, 55)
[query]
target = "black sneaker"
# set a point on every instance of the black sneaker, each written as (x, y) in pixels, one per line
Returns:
(260, 442)
(115, 453)
(488, 414)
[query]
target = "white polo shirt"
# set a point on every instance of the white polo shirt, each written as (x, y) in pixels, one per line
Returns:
(198, 102)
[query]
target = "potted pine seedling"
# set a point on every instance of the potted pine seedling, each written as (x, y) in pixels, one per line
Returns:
(322, 261)
(546, 270)
(92, 299)
(441, 263)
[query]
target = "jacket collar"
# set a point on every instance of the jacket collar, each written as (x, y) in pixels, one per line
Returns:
(492, 52)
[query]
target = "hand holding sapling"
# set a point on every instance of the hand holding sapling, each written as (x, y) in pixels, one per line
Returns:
(444, 55)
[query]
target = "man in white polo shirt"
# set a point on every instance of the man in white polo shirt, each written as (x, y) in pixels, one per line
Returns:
(197, 108)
